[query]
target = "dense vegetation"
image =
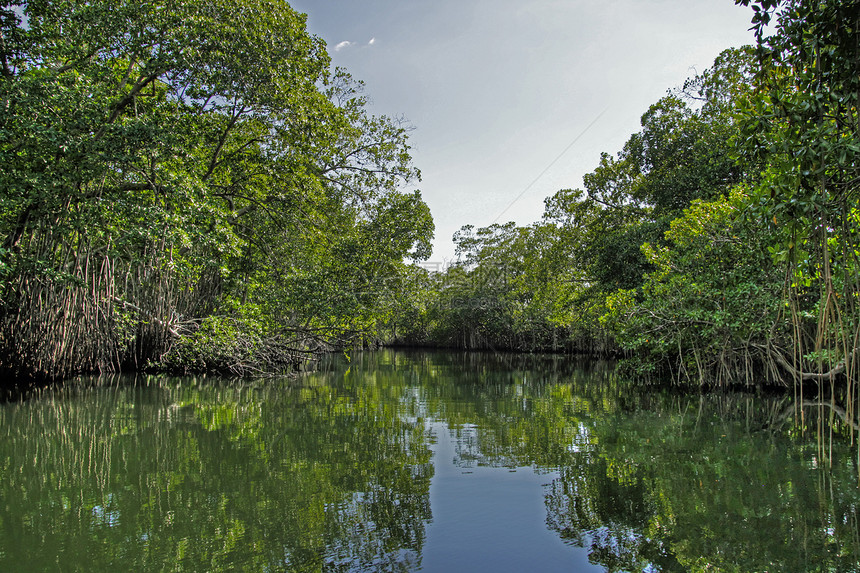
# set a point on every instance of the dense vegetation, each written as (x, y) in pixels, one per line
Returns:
(719, 245)
(193, 188)
(189, 185)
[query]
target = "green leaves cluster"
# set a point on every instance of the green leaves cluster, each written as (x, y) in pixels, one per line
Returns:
(622, 266)
(712, 300)
(721, 243)
(183, 161)
(805, 128)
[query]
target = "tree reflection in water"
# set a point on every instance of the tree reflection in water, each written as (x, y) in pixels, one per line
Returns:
(170, 474)
(332, 471)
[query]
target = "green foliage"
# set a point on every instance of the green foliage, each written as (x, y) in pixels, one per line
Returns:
(558, 284)
(762, 286)
(682, 154)
(714, 297)
(169, 158)
(720, 242)
(804, 127)
(502, 294)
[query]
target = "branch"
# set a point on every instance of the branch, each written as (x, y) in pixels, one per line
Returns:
(157, 321)
(72, 63)
(117, 108)
(213, 163)
(836, 409)
(814, 376)
(633, 208)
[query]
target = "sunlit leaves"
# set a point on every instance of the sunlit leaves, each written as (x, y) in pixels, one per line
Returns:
(804, 126)
(175, 157)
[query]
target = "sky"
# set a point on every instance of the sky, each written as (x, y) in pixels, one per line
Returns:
(513, 100)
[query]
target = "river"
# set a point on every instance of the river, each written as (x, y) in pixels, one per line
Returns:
(422, 461)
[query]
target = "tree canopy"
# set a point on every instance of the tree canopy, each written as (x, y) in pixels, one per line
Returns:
(193, 187)
(189, 176)
(719, 245)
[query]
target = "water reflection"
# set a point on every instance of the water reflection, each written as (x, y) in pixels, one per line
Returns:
(335, 471)
(158, 474)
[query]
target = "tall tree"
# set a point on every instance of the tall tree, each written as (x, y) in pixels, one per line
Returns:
(163, 162)
(805, 127)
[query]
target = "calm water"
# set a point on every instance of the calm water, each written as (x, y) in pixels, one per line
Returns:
(421, 462)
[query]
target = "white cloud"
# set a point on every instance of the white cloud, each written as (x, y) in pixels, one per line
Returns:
(347, 44)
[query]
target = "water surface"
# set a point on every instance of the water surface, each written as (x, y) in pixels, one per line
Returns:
(399, 461)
